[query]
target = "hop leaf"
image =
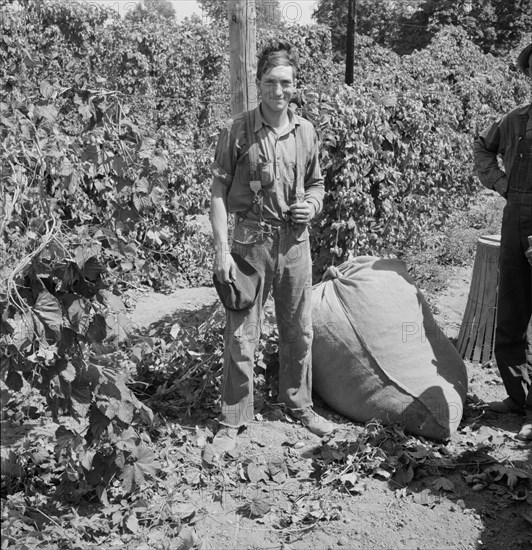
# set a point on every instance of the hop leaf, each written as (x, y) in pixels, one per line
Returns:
(146, 461)
(92, 269)
(498, 471)
(186, 540)
(48, 309)
(257, 472)
(527, 515)
(404, 477)
(69, 372)
(14, 380)
(259, 506)
(132, 523)
(443, 483)
(159, 163)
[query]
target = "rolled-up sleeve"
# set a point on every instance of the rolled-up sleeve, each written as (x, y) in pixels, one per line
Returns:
(486, 149)
(225, 156)
(314, 188)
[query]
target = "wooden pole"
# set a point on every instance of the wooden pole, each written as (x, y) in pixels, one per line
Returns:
(242, 54)
(350, 42)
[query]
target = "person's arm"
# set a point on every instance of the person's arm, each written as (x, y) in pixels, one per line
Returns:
(224, 265)
(304, 212)
(314, 188)
(223, 169)
(486, 149)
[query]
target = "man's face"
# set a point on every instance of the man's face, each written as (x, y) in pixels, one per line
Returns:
(276, 87)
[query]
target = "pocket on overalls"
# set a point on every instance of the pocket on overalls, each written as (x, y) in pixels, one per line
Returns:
(247, 235)
(267, 176)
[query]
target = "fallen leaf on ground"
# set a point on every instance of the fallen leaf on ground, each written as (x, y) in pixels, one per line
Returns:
(527, 515)
(403, 477)
(278, 471)
(443, 483)
(221, 444)
(498, 471)
(257, 472)
(192, 477)
(259, 506)
(156, 535)
(183, 510)
(132, 523)
(186, 539)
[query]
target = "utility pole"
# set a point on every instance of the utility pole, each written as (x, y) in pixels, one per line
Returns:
(241, 15)
(350, 42)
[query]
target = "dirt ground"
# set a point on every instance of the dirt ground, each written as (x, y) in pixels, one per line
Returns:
(473, 511)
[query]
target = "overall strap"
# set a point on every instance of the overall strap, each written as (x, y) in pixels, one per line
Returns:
(519, 186)
(253, 152)
(522, 125)
(254, 169)
(299, 171)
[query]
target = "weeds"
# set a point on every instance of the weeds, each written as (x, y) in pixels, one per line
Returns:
(455, 245)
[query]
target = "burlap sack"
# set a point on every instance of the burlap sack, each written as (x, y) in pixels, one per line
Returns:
(378, 352)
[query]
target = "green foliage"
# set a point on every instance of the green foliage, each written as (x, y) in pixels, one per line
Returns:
(496, 26)
(396, 147)
(58, 329)
(66, 95)
(152, 8)
(84, 204)
(101, 182)
(456, 244)
(176, 74)
(377, 20)
(268, 12)
(33, 514)
(181, 363)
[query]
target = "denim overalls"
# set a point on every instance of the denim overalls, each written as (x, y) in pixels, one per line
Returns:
(514, 307)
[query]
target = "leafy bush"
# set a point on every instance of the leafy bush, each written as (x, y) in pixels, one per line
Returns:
(101, 181)
(60, 321)
(397, 146)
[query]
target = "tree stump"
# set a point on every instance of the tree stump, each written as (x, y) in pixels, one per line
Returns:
(477, 331)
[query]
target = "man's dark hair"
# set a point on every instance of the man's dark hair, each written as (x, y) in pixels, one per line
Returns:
(277, 53)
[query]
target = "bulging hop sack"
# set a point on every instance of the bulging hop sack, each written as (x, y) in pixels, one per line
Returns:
(378, 352)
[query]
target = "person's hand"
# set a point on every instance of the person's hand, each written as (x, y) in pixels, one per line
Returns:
(301, 212)
(502, 187)
(224, 267)
(528, 252)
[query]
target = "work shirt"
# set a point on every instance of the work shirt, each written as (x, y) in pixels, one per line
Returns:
(501, 138)
(280, 162)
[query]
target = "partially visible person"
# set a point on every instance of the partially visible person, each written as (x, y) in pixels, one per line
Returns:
(511, 139)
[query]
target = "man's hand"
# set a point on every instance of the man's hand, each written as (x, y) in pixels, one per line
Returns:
(301, 212)
(224, 267)
(528, 252)
(501, 186)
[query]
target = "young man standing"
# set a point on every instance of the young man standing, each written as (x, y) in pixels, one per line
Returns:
(266, 171)
(511, 137)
